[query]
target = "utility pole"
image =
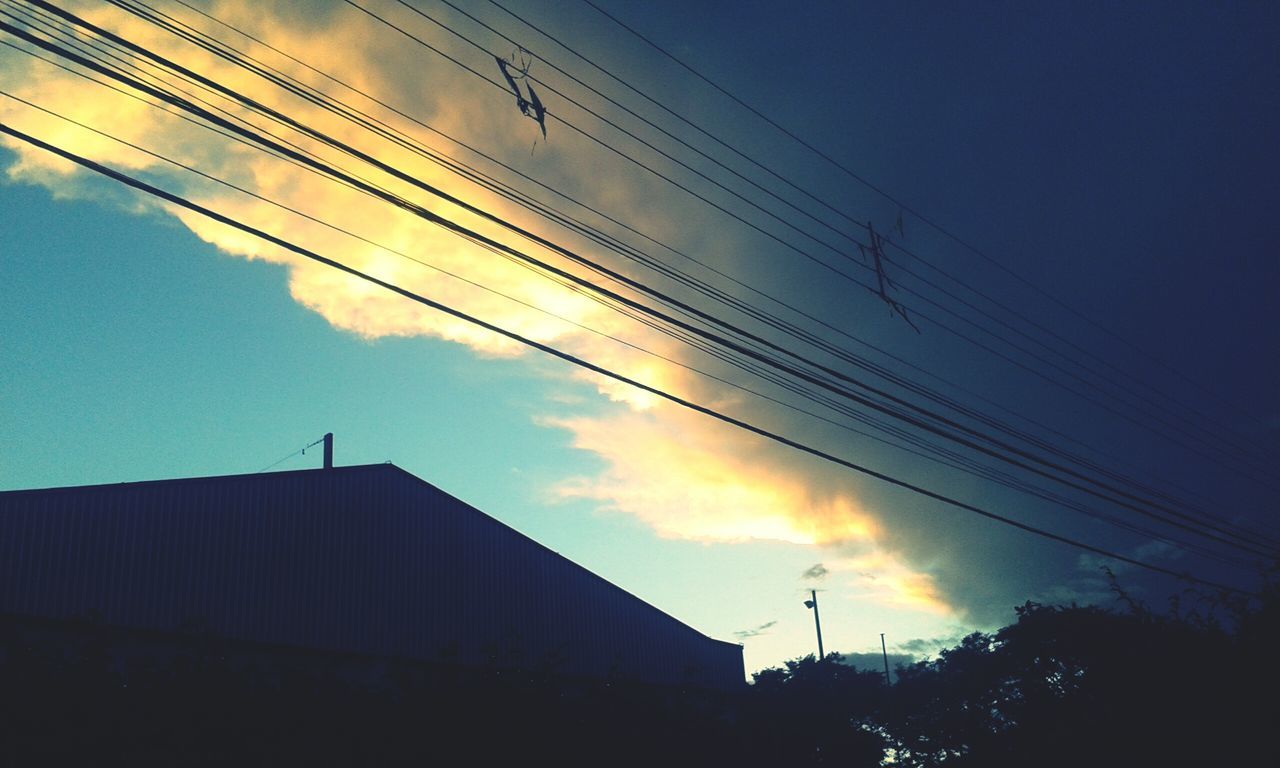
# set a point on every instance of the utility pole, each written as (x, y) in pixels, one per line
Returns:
(813, 603)
(885, 653)
(328, 450)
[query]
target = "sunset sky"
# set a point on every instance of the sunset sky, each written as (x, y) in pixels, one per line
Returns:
(1116, 167)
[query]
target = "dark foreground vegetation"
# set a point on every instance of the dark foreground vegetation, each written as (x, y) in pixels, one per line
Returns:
(1062, 686)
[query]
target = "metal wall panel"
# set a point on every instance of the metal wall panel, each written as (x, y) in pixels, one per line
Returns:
(361, 559)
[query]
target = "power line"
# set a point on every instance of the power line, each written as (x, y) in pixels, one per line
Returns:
(595, 211)
(600, 370)
(947, 328)
(842, 393)
(646, 121)
(1142, 422)
(605, 145)
(91, 50)
(1246, 455)
(300, 451)
(769, 361)
(947, 458)
(903, 205)
(693, 341)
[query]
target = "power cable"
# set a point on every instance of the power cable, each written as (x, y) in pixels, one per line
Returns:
(1245, 453)
(904, 206)
(946, 458)
(846, 394)
(787, 369)
(302, 450)
(600, 370)
(614, 221)
(1237, 467)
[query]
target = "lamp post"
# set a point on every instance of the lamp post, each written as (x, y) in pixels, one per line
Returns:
(884, 651)
(812, 602)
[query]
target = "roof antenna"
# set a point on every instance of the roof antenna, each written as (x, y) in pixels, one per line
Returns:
(328, 453)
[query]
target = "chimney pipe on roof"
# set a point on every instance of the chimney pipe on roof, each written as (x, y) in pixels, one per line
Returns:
(328, 450)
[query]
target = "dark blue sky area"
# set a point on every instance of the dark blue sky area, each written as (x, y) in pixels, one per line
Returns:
(1121, 157)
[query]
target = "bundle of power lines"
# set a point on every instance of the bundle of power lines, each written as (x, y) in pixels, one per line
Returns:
(779, 352)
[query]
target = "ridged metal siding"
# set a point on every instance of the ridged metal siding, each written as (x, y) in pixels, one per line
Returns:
(361, 559)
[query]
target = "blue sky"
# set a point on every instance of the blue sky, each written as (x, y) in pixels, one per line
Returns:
(160, 357)
(1121, 159)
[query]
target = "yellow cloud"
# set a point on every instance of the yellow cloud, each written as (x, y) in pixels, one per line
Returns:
(684, 475)
(879, 576)
(691, 478)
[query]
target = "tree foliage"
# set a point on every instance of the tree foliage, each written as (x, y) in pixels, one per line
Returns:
(1061, 686)
(1067, 686)
(814, 712)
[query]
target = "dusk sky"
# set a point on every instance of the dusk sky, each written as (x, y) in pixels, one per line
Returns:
(1102, 277)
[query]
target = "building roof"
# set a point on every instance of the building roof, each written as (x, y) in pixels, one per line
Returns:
(367, 559)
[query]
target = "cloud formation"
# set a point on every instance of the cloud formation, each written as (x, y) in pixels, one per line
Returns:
(747, 634)
(815, 572)
(691, 478)
(682, 474)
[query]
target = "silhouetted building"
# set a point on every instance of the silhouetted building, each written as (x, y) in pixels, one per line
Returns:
(367, 560)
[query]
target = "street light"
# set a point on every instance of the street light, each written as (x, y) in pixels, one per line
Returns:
(885, 652)
(813, 603)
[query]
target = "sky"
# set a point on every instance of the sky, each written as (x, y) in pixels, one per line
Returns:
(1106, 174)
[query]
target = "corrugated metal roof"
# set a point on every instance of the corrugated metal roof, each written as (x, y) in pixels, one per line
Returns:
(364, 559)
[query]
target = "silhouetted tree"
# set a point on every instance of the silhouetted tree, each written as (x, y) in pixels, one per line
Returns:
(1061, 686)
(814, 712)
(1082, 686)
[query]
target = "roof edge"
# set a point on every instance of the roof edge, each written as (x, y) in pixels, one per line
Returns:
(174, 480)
